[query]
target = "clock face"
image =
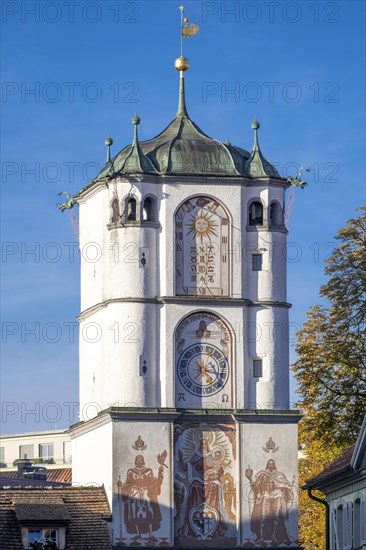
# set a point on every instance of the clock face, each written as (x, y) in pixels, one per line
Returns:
(203, 369)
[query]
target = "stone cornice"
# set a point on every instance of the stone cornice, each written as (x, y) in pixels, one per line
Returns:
(202, 301)
(183, 179)
(165, 414)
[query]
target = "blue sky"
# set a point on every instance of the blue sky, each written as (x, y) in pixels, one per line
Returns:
(297, 66)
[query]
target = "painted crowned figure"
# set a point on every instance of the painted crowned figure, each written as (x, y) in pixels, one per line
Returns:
(140, 493)
(272, 497)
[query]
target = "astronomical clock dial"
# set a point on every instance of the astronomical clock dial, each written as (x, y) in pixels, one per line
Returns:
(203, 360)
(201, 248)
(203, 369)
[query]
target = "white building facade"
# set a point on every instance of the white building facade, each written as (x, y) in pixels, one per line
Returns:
(52, 448)
(343, 483)
(184, 355)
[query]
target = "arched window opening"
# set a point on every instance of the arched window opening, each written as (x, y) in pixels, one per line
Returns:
(357, 523)
(275, 214)
(148, 209)
(131, 210)
(256, 213)
(115, 211)
(339, 528)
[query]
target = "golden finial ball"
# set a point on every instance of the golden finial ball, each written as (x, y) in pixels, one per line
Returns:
(181, 63)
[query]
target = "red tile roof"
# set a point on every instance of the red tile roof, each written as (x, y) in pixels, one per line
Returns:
(342, 464)
(87, 509)
(58, 475)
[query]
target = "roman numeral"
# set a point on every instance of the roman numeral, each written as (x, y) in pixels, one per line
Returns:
(213, 206)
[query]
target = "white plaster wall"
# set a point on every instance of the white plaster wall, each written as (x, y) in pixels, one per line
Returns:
(110, 368)
(93, 457)
(125, 275)
(270, 283)
(92, 332)
(267, 339)
(254, 456)
(92, 220)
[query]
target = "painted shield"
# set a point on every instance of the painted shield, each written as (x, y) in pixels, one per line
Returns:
(204, 521)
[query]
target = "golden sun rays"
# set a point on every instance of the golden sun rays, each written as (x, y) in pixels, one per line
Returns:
(202, 226)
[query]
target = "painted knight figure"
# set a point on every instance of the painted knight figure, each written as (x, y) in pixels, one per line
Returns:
(189, 377)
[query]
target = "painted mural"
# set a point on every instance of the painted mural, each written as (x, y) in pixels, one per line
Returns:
(203, 344)
(270, 503)
(202, 233)
(142, 509)
(205, 513)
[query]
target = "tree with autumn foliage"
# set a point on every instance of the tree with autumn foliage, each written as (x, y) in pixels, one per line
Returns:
(331, 369)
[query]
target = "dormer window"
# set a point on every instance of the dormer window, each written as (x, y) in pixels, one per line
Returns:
(148, 208)
(131, 210)
(42, 538)
(256, 213)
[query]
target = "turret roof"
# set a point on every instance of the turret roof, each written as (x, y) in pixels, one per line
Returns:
(182, 148)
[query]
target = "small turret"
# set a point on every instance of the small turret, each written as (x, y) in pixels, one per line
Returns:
(257, 166)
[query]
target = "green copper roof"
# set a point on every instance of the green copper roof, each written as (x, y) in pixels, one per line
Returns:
(257, 166)
(183, 148)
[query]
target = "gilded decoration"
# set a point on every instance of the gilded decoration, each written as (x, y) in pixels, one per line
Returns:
(202, 235)
(204, 485)
(204, 353)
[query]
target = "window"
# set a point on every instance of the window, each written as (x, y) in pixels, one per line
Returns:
(257, 368)
(41, 535)
(2, 457)
(131, 210)
(26, 451)
(256, 213)
(67, 452)
(46, 451)
(357, 523)
(257, 262)
(339, 528)
(148, 214)
(275, 214)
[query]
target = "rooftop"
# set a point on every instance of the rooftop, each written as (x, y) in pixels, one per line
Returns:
(182, 148)
(56, 475)
(85, 510)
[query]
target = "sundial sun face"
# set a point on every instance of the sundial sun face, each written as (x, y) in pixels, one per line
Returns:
(202, 244)
(202, 226)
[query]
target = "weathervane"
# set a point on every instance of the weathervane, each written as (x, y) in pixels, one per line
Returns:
(187, 31)
(297, 181)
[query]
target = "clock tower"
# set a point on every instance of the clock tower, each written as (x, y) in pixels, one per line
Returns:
(184, 355)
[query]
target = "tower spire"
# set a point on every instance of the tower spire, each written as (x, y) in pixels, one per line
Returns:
(255, 126)
(182, 63)
(108, 142)
(135, 121)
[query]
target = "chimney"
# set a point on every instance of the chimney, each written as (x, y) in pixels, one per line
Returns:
(22, 465)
